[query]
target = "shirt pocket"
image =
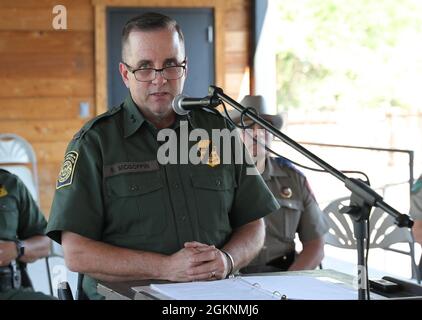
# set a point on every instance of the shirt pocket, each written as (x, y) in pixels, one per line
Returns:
(9, 218)
(136, 204)
(285, 221)
(213, 197)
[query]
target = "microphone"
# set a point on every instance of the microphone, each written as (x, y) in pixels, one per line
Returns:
(182, 104)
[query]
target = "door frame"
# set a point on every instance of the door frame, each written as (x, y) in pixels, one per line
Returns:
(100, 24)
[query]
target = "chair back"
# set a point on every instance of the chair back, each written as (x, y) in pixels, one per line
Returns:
(18, 157)
(383, 232)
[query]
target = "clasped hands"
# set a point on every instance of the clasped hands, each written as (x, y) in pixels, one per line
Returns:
(197, 262)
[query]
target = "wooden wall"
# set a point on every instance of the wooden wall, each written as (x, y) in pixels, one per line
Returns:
(45, 74)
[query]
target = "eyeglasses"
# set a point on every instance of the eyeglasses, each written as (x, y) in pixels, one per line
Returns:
(149, 74)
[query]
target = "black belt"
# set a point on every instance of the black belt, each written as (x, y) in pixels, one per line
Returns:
(281, 263)
(10, 277)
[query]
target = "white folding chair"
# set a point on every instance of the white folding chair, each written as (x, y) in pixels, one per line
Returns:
(18, 157)
(383, 232)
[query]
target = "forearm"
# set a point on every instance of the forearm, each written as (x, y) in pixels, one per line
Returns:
(310, 257)
(417, 231)
(36, 247)
(110, 263)
(245, 243)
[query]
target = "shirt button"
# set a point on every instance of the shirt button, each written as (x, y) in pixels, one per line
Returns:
(176, 185)
(133, 187)
(183, 218)
(218, 182)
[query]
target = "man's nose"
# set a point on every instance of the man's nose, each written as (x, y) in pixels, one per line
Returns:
(159, 78)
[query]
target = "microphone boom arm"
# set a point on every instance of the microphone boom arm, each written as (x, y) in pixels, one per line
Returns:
(362, 199)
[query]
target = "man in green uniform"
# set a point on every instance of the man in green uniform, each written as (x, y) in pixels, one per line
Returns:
(416, 210)
(121, 213)
(299, 212)
(22, 238)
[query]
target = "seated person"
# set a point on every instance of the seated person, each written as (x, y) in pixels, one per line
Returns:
(416, 209)
(299, 212)
(22, 239)
(121, 213)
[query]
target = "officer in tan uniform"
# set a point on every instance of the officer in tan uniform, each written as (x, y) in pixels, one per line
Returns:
(121, 214)
(22, 239)
(416, 209)
(299, 212)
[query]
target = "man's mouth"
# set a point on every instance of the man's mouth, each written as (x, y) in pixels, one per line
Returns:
(159, 94)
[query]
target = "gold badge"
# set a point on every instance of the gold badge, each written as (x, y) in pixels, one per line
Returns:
(214, 158)
(203, 147)
(286, 192)
(68, 168)
(3, 191)
(210, 158)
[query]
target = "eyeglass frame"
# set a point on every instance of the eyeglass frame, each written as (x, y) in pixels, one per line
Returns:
(161, 70)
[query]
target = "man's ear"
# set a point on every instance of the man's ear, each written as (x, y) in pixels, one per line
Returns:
(124, 73)
(186, 71)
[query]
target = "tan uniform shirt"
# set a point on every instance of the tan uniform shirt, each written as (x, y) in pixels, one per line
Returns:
(299, 212)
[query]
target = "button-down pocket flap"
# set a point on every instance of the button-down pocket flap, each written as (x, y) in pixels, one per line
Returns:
(291, 204)
(212, 182)
(127, 186)
(7, 205)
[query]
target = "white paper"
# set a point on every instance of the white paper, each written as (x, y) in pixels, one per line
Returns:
(305, 287)
(228, 289)
(258, 288)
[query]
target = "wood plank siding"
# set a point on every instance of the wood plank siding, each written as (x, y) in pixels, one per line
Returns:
(45, 73)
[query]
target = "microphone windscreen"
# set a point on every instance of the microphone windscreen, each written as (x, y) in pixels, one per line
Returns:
(176, 104)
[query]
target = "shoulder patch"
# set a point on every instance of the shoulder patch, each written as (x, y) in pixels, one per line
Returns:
(286, 163)
(68, 168)
(93, 121)
(417, 186)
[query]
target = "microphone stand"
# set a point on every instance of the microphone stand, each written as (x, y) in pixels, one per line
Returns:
(362, 198)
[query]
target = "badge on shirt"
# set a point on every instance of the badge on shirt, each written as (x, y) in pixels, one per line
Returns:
(68, 168)
(214, 158)
(3, 191)
(286, 192)
(210, 158)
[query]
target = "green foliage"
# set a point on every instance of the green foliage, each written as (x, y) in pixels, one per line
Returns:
(334, 54)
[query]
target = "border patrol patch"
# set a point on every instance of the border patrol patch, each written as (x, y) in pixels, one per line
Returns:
(68, 168)
(3, 191)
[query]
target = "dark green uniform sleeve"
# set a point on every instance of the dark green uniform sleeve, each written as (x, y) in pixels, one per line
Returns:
(31, 219)
(253, 199)
(78, 201)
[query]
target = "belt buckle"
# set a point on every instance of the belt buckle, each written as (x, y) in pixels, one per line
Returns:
(16, 275)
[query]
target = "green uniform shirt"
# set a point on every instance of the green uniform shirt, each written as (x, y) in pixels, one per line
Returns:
(112, 189)
(20, 218)
(299, 212)
(416, 200)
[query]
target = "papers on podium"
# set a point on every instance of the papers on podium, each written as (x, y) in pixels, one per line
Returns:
(254, 288)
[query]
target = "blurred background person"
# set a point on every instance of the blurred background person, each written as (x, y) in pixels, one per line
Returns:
(299, 212)
(22, 239)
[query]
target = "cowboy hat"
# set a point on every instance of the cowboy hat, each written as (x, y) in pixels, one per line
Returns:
(258, 103)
